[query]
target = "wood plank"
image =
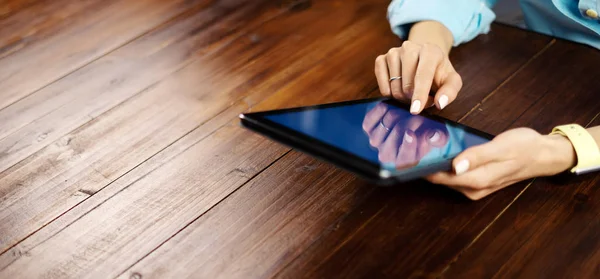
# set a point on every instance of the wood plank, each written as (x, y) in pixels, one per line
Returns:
(551, 230)
(261, 229)
(50, 21)
(49, 114)
(28, 21)
(78, 40)
(411, 233)
(122, 228)
(289, 54)
(268, 223)
(10, 7)
(86, 160)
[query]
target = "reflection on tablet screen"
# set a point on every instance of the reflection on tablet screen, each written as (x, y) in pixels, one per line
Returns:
(381, 133)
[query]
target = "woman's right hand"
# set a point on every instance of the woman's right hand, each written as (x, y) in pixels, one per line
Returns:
(421, 68)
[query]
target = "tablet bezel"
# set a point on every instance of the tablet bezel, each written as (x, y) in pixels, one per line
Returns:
(257, 122)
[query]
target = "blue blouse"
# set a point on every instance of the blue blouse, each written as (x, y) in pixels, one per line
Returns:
(575, 20)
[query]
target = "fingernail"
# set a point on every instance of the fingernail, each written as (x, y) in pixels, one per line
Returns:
(443, 101)
(408, 138)
(435, 137)
(415, 107)
(461, 167)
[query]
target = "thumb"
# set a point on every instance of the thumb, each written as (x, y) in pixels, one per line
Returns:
(477, 156)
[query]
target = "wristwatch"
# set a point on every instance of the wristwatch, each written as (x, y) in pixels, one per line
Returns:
(586, 148)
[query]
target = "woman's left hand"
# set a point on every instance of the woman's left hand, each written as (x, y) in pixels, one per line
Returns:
(512, 156)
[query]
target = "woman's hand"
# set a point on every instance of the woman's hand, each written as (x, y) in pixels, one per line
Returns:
(513, 156)
(423, 67)
(422, 61)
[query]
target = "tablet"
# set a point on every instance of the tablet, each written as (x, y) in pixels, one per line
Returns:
(377, 139)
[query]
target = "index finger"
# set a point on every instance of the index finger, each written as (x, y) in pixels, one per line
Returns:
(429, 60)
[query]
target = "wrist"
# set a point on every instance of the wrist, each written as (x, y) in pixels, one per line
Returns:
(560, 154)
(432, 32)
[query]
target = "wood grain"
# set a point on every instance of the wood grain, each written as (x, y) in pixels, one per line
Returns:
(155, 206)
(84, 161)
(255, 239)
(10, 7)
(265, 237)
(77, 41)
(49, 114)
(169, 117)
(479, 59)
(22, 132)
(25, 22)
(551, 230)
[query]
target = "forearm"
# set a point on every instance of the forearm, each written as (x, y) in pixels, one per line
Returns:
(431, 32)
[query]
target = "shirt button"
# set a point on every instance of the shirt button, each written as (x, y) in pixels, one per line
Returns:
(592, 13)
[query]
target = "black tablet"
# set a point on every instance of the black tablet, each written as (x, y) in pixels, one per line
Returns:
(377, 139)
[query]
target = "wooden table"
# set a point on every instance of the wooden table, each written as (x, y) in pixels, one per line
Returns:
(121, 154)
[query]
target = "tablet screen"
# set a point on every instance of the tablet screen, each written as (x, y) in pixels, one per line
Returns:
(381, 132)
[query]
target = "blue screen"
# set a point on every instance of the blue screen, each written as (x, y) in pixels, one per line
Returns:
(381, 133)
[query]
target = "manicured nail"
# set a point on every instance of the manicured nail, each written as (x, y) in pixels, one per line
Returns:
(435, 137)
(415, 107)
(461, 167)
(408, 138)
(443, 101)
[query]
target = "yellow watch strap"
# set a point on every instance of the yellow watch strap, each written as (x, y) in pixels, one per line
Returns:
(586, 148)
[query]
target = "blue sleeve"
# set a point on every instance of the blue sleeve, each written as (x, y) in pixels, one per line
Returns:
(464, 18)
